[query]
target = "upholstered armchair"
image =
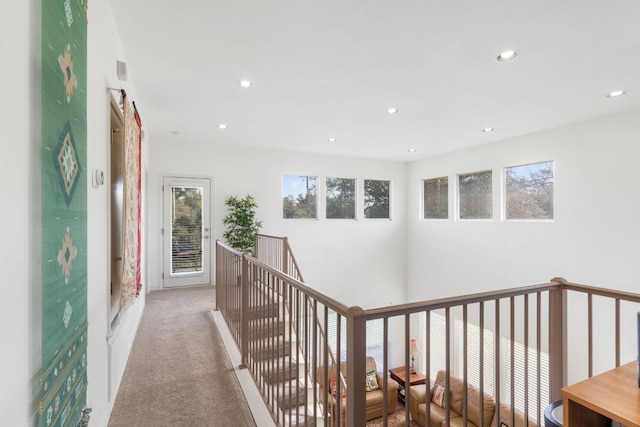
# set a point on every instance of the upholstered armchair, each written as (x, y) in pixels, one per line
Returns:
(374, 398)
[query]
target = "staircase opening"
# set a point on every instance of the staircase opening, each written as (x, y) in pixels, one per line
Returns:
(309, 353)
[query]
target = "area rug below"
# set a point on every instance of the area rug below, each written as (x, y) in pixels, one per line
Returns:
(397, 419)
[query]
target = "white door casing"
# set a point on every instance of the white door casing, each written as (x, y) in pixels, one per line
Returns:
(186, 231)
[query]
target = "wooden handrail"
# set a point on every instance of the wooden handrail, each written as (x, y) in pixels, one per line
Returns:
(602, 292)
(228, 248)
(416, 307)
(299, 283)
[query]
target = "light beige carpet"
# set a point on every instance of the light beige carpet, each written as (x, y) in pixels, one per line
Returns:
(178, 373)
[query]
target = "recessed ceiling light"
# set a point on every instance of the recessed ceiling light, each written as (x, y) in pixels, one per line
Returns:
(392, 110)
(331, 139)
(507, 55)
(487, 130)
(245, 83)
(616, 93)
(412, 150)
(222, 126)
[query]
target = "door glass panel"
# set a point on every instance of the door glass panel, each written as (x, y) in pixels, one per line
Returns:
(186, 230)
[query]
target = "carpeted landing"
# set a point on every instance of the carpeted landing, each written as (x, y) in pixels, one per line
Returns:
(178, 373)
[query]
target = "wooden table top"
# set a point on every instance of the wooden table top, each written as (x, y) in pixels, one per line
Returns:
(614, 394)
(398, 374)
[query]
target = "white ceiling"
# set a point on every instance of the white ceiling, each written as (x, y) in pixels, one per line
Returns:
(331, 68)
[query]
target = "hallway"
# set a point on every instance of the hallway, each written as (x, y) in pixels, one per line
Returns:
(178, 373)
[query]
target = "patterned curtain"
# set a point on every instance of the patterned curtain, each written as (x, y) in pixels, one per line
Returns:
(131, 220)
(138, 271)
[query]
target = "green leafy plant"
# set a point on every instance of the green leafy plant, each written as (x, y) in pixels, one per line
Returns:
(241, 223)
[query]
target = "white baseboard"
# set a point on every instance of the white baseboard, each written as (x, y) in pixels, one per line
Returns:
(259, 410)
(120, 342)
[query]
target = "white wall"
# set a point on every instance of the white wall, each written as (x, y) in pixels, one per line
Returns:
(16, 229)
(357, 262)
(104, 49)
(20, 225)
(594, 238)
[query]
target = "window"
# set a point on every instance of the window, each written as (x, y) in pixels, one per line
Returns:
(436, 198)
(186, 229)
(376, 199)
(375, 338)
(375, 341)
(474, 191)
(332, 335)
(529, 191)
(341, 198)
(519, 368)
(437, 344)
(438, 362)
(299, 196)
(473, 355)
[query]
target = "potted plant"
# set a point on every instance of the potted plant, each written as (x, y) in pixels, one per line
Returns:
(241, 223)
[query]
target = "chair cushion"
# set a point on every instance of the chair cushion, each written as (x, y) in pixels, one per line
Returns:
(375, 397)
(505, 417)
(438, 414)
(458, 421)
(456, 400)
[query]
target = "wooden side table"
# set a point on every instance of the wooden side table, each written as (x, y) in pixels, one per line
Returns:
(398, 375)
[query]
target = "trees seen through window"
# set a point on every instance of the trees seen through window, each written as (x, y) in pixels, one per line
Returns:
(529, 191)
(341, 198)
(376, 198)
(474, 195)
(299, 196)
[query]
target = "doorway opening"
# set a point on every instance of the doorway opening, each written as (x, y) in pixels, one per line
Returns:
(116, 182)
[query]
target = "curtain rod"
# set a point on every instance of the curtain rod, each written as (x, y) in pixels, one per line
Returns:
(122, 91)
(124, 95)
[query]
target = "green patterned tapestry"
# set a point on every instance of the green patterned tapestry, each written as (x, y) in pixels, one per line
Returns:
(62, 383)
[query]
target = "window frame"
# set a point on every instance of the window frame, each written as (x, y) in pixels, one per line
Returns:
(424, 202)
(459, 198)
(504, 193)
(355, 198)
(364, 193)
(283, 196)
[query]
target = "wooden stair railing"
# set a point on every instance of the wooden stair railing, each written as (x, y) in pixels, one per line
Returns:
(536, 317)
(285, 261)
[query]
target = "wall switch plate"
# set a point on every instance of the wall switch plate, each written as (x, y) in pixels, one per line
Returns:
(97, 178)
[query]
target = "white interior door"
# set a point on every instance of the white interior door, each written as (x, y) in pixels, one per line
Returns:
(186, 232)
